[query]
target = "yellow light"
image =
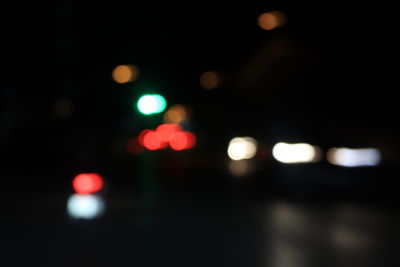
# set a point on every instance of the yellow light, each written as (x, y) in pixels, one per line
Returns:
(271, 20)
(125, 73)
(209, 80)
(176, 114)
(296, 153)
(242, 148)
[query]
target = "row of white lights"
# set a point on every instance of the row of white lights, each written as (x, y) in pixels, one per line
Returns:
(91, 206)
(241, 148)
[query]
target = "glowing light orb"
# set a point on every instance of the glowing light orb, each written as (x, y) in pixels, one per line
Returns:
(166, 131)
(271, 20)
(85, 207)
(296, 153)
(347, 157)
(87, 183)
(209, 80)
(242, 148)
(125, 73)
(182, 141)
(141, 136)
(152, 141)
(151, 104)
(176, 114)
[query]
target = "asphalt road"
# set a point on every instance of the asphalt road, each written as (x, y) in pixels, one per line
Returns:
(199, 226)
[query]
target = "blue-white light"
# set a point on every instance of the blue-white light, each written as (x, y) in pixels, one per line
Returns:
(348, 157)
(85, 207)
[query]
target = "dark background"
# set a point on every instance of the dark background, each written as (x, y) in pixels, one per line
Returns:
(320, 79)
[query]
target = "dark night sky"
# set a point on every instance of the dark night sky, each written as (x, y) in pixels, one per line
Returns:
(317, 79)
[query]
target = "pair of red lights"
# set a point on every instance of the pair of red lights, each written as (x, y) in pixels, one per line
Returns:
(88, 183)
(165, 135)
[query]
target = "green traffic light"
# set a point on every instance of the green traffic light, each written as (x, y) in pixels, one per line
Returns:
(151, 104)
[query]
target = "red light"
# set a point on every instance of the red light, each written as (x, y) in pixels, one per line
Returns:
(134, 146)
(182, 141)
(166, 131)
(191, 140)
(87, 183)
(142, 135)
(152, 141)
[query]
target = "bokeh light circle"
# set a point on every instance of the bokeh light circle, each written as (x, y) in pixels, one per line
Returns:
(152, 141)
(87, 183)
(151, 104)
(125, 73)
(182, 141)
(166, 131)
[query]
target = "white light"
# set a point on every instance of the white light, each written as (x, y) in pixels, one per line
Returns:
(148, 104)
(295, 153)
(347, 157)
(242, 148)
(85, 206)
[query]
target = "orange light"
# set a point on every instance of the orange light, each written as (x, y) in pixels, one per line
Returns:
(134, 146)
(125, 73)
(152, 141)
(166, 131)
(176, 114)
(271, 20)
(209, 80)
(182, 141)
(87, 183)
